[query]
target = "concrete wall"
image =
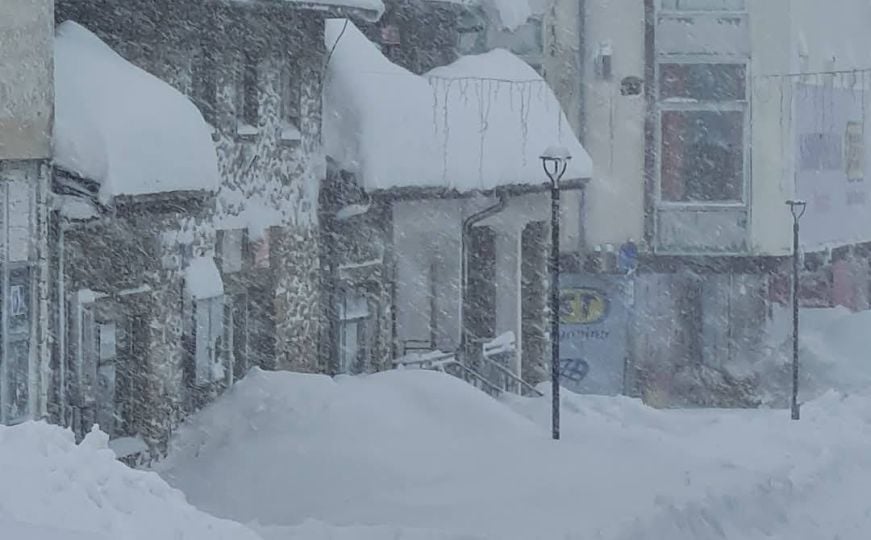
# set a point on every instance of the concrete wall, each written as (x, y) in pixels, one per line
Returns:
(26, 78)
(613, 130)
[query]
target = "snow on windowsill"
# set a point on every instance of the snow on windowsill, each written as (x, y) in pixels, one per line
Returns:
(289, 133)
(202, 278)
(246, 131)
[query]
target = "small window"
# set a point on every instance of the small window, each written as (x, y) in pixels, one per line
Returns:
(702, 156)
(205, 84)
(525, 40)
(209, 340)
(702, 82)
(249, 92)
(354, 335)
(703, 5)
(291, 103)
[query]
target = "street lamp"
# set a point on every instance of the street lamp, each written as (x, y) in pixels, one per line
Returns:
(554, 160)
(797, 208)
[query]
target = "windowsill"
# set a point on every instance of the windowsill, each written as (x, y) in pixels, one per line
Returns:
(246, 132)
(701, 205)
(289, 134)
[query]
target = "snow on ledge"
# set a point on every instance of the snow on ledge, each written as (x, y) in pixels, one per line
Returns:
(123, 127)
(202, 278)
(475, 125)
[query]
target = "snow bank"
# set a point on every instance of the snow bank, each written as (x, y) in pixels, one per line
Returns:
(122, 127)
(415, 455)
(477, 124)
(833, 354)
(53, 489)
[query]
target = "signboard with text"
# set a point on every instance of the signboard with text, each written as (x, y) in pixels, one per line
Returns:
(593, 331)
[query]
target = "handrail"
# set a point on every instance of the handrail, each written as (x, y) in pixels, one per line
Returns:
(474, 373)
(508, 373)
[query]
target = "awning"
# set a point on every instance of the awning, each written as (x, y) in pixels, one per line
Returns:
(475, 125)
(122, 127)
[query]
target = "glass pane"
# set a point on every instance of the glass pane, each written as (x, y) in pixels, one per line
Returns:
(702, 82)
(702, 156)
(703, 5)
(526, 40)
(19, 380)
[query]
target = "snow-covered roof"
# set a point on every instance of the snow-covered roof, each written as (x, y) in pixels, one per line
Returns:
(121, 126)
(370, 10)
(511, 13)
(202, 278)
(477, 124)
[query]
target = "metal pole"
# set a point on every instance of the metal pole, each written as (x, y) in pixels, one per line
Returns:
(795, 273)
(554, 303)
(797, 208)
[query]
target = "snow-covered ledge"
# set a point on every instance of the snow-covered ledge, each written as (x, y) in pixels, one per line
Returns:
(123, 127)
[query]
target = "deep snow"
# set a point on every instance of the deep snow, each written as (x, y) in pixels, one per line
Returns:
(53, 489)
(421, 455)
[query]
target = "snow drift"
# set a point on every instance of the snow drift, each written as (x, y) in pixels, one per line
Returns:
(415, 455)
(53, 489)
(121, 126)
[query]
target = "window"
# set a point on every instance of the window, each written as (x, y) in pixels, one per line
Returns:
(702, 132)
(209, 342)
(702, 156)
(703, 5)
(291, 103)
(106, 362)
(471, 38)
(248, 101)
(702, 82)
(354, 319)
(16, 371)
(205, 84)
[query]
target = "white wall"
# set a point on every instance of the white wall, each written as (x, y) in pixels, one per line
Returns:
(26, 78)
(614, 124)
(788, 37)
(430, 230)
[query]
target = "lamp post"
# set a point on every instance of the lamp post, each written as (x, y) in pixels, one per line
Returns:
(797, 208)
(554, 160)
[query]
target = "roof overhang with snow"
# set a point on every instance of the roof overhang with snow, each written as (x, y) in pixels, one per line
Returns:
(367, 10)
(477, 125)
(123, 128)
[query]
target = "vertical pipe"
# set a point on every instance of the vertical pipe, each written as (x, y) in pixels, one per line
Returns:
(61, 326)
(554, 304)
(794, 404)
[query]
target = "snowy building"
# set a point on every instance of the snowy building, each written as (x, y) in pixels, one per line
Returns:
(188, 162)
(436, 210)
(26, 29)
(140, 324)
(703, 117)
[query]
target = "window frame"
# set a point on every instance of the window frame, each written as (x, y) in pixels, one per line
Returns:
(700, 11)
(737, 105)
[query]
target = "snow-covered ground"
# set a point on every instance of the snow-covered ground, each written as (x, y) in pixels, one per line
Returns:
(419, 455)
(53, 489)
(416, 455)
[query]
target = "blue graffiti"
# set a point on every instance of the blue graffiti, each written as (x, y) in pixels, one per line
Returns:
(574, 369)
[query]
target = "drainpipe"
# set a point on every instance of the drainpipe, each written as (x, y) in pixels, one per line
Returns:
(582, 76)
(468, 223)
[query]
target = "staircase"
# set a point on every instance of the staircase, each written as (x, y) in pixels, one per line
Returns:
(488, 372)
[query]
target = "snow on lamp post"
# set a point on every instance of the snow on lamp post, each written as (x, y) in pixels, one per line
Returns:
(797, 208)
(554, 160)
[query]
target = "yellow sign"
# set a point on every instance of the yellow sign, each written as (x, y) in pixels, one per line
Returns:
(582, 306)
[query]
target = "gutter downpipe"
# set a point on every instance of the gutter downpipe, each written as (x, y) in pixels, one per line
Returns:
(468, 223)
